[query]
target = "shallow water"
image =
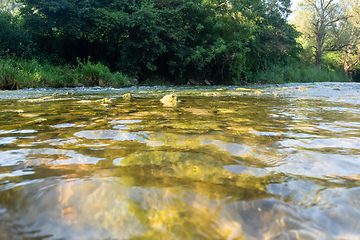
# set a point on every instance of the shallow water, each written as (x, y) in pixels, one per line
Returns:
(260, 162)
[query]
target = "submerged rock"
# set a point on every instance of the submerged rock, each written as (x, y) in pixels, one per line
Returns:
(108, 100)
(170, 100)
(212, 94)
(127, 96)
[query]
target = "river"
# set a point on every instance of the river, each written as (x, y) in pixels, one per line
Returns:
(236, 162)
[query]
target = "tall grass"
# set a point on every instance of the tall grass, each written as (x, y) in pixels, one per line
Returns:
(10, 75)
(91, 74)
(40, 75)
(298, 73)
(16, 74)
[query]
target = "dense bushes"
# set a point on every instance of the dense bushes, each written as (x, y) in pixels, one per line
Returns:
(14, 40)
(98, 74)
(174, 41)
(219, 40)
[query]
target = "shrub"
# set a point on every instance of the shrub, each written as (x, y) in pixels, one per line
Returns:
(91, 74)
(119, 79)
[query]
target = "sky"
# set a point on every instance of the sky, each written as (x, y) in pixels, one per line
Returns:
(294, 4)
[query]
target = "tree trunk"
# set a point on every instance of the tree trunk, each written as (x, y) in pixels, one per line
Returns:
(346, 61)
(322, 20)
(319, 45)
(318, 58)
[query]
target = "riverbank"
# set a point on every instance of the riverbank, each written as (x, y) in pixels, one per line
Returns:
(18, 74)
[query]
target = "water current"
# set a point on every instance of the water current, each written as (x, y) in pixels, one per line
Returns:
(238, 162)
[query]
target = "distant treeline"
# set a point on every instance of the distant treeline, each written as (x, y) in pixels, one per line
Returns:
(220, 41)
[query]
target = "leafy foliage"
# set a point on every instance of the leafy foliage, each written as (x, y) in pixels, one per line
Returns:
(10, 5)
(330, 34)
(91, 74)
(179, 40)
(13, 39)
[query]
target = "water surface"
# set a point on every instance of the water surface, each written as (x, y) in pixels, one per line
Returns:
(258, 162)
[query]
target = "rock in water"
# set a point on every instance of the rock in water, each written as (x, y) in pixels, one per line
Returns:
(170, 100)
(127, 96)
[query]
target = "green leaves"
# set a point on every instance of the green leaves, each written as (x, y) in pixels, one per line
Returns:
(13, 39)
(176, 39)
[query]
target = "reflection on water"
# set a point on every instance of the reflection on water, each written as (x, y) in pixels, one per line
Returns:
(269, 162)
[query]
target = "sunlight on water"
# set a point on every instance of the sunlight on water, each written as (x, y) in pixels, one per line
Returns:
(266, 162)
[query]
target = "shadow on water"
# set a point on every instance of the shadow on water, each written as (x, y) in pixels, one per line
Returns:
(268, 162)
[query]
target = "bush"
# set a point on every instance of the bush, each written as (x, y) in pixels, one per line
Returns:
(119, 79)
(91, 74)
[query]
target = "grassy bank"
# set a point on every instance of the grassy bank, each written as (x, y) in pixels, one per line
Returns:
(17, 74)
(298, 73)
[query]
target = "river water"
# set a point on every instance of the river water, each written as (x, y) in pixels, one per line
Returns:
(253, 162)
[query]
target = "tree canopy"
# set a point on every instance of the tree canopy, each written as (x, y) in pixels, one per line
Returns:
(330, 33)
(219, 40)
(14, 40)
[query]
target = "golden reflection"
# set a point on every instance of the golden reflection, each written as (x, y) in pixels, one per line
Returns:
(201, 112)
(231, 165)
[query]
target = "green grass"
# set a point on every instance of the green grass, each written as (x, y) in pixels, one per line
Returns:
(297, 73)
(10, 75)
(17, 74)
(91, 74)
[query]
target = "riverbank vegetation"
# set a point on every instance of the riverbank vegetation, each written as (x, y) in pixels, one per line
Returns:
(117, 43)
(15, 74)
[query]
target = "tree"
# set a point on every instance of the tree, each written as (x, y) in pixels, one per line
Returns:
(14, 40)
(317, 18)
(351, 54)
(9, 5)
(219, 40)
(274, 39)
